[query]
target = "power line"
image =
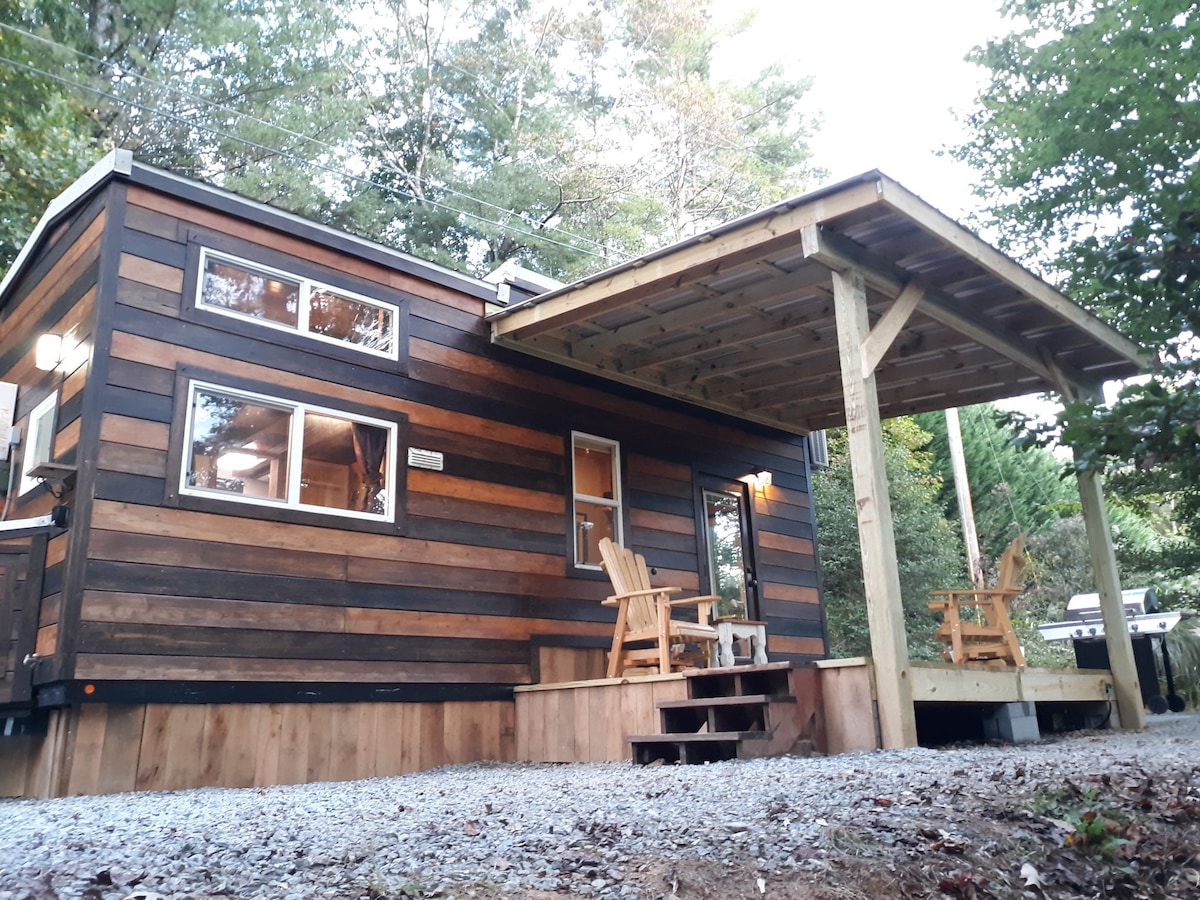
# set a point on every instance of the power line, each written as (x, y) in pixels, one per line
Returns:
(312, 163)
(284, 130)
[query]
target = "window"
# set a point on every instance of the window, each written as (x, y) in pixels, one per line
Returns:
(39, 440)
(597, 496)
(254, 449)
(235, 287)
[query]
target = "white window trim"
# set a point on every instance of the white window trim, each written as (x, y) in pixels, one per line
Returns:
(44, 415)
(582, 439)
(308, 286)
(295, 455)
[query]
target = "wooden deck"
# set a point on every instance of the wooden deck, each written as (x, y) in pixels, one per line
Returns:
(591, 721)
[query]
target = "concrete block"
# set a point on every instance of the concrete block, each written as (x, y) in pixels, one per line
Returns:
(1015, 723)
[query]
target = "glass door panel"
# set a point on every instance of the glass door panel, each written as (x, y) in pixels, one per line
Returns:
(730, 575)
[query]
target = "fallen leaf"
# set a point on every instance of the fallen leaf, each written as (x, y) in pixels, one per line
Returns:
(882, 801)
(471, 829)
(1031, 876)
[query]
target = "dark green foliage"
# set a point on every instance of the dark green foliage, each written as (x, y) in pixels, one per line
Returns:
(927, 546)
(1086, 141)
(1015, 487)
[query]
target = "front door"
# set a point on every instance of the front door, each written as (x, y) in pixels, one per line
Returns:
(16, 634)
(729, 546)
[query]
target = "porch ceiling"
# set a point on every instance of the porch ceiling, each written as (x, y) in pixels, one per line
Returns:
(740, 319)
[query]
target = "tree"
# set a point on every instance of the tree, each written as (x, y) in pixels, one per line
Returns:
(251, 95)
(928, 548)
(463, 131)
(1087, 136)
(1015, 486)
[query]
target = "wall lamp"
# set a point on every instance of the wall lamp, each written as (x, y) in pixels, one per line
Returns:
(49, 352)
(760, 480)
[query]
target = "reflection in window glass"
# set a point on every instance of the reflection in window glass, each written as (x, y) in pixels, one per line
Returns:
(298, 304)
(239, 446)
(243, 290)
(344, 465)
(40, 440)
(723, 518)
(264, 449)
(597, 501)
(345, 319)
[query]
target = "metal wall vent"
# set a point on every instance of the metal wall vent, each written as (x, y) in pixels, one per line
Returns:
(424, 459)
(818, 450)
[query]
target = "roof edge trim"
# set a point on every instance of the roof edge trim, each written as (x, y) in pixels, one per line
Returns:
(115, 162)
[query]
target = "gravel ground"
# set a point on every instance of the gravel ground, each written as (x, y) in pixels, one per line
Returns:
(603, 830)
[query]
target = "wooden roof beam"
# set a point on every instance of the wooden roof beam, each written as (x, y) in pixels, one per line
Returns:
(723, 252)
(987, 257)
(840, 254)
(714, 307)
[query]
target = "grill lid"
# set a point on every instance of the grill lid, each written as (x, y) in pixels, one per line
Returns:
(1137, 602)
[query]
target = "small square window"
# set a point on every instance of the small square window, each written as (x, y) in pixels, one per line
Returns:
(39, 441)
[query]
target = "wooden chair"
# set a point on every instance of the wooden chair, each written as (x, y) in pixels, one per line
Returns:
(994, 638)
(644, 616)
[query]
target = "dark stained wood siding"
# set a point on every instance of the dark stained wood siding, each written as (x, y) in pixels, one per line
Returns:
(57, 294)
(475, 577)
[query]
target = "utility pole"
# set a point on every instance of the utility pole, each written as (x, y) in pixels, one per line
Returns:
(962, 489)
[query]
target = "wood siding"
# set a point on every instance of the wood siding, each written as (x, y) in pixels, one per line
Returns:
(471, 581)
(57, 295)
(103, 748)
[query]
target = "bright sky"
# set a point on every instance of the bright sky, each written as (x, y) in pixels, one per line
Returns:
(888, 75)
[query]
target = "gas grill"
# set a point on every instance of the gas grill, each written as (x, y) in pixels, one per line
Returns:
(1084, 622)
(1084, 626)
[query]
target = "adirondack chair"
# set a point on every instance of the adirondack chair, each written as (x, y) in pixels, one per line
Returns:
(644, 616)
(994, 638)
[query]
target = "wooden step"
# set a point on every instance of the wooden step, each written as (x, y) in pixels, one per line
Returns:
(692, 749)
(757, 712)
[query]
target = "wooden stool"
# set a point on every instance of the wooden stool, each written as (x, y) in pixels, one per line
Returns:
(730, 630)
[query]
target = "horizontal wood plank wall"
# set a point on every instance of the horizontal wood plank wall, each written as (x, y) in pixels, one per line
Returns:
(590, 722)
(479, 568)
(57, 296)
(107, 748)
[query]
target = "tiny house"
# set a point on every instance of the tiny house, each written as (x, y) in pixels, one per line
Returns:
(283, 510)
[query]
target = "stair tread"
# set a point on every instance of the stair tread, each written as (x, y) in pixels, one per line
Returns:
(700, 737)
(742, 700)
(730, 670)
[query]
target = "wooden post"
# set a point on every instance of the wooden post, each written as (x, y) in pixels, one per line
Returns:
(881, 572)
(962, 489)
(1116, 633)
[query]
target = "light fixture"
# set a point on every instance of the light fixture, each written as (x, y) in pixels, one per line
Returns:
(48, 353)
(759, 480)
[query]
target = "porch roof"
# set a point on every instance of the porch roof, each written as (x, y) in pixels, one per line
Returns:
(740, 319)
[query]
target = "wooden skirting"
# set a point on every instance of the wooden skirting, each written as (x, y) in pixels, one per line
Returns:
(981, 683)
(848, 686)
(589, 721)
(101, 748)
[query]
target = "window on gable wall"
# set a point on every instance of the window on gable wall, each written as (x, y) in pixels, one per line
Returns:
(235, 287)
(596, 491)
(39, 441)
(254, 449)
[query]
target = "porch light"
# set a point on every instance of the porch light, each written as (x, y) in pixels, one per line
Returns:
(759, 480)
(48, 353)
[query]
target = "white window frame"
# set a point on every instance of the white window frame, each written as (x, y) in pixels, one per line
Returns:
(308, 286)
(44, 415)
(295, 454)
(583, 439)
